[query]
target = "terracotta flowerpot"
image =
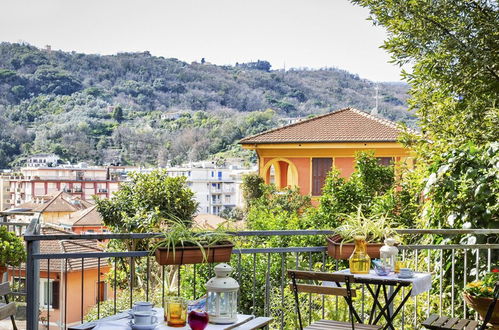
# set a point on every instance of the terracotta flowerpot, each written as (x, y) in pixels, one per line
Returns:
(481, 305)
(343, 251)
(193, 254)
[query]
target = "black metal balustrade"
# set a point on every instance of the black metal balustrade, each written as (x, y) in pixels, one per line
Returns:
(468, 258)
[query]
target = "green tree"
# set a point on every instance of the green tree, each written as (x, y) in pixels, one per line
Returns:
(463, 188)
(12, 251)
(252, 187)
(452, 45)
(147, 201)
(118, 114)
(145, 204)
(368, 185)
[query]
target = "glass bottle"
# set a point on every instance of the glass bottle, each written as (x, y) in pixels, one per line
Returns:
(360, 262)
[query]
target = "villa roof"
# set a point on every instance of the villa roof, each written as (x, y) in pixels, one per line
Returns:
(86, 217)
(58, 202)
(344, 125)
(67, 246)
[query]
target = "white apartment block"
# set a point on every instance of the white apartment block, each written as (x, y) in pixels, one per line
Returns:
(215, 188)
(42, 160)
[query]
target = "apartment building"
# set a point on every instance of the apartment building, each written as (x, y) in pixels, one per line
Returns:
(215, 188)
(42, 160)
(82, 181)
(4, 191)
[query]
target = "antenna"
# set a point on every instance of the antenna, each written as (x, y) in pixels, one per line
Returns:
(374, 111)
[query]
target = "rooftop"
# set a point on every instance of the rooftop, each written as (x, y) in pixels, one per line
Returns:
(67, 246)
(344, 125)
(86, 217)
(58, 202)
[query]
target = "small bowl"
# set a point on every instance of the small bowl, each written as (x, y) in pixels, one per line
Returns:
(382, 271)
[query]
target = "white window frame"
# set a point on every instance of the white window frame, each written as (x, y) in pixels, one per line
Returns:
(43, 282)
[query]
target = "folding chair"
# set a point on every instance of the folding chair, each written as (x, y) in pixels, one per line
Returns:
(436, 322)
(7, 309)
(319, 289)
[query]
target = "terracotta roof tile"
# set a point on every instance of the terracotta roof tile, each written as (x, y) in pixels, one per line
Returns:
(68, 246)
(59, 202)
(86, 217)
(345, 125)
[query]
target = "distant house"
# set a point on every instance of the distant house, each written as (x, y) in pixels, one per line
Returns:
(55, 206)
(86, 221)
(301, 154)
(43, 160)
(63, 296)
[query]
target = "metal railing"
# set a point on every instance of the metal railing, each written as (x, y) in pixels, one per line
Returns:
(261, 272)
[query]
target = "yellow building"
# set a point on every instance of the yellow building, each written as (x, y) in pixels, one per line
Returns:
(301, 154)
(55, 207)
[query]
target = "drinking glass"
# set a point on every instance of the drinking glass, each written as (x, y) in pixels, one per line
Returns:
(399, 263)
(176, 312)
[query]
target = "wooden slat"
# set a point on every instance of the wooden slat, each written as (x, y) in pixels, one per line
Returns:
(441, 321)
(461, 324)
(337, 325)
(335, 291)
(7, 310)
(450, 323)
(429, 321)
(319, 276)
(256, 323)
(357, 325)
(472, 325)
(4, 289)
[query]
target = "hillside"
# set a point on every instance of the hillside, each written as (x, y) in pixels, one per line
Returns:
(141, 109)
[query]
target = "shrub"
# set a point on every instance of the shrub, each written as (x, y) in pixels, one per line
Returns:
(12, 251)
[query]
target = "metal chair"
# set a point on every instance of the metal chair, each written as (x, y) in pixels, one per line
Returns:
(7, 309)
(346, 292)
(436, 322)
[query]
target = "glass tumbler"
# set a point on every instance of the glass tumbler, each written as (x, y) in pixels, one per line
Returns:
(176, 312)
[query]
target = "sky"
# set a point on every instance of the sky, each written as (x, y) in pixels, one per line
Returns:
(287, 33)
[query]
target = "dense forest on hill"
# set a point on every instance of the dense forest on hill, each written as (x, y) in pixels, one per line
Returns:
(135, 108)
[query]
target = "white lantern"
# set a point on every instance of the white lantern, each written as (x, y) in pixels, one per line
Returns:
(221, 301)
(388, 253)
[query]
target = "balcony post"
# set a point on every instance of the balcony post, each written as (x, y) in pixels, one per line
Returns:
(32, 277)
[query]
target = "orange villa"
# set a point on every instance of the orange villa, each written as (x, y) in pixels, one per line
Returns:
(301, 154)
(64, 282)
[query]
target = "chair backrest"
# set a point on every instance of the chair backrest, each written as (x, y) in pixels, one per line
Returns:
(490, 311)
(346, 292)
(4, 289)
(321, 289)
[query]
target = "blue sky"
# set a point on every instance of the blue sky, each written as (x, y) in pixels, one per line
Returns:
(291, 33)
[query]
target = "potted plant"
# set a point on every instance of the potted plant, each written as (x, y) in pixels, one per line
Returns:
(480, 294)
(186, 245)
(374, 229)
(12, 251)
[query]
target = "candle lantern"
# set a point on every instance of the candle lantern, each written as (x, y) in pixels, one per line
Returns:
(221, 301)
(388, 253)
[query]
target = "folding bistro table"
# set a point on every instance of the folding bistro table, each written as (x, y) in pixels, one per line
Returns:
(121, 321)
(379, 287)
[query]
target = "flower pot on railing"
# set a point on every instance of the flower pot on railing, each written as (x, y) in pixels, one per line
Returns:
(338, 250)
(481, 305)
(182, 255)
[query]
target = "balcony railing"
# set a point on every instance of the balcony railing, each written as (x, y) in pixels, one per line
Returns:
(261, 271)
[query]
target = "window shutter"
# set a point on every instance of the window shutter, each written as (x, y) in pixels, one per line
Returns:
(385, 161)
(320, 169)
(55, 294)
